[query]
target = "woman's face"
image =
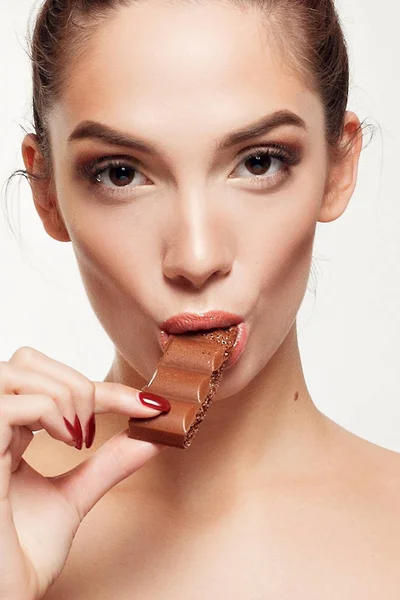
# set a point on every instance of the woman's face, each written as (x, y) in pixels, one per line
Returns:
(188, 226)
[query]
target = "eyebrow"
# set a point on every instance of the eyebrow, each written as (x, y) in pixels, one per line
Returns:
(104, 133)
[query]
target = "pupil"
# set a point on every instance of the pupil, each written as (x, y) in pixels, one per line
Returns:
(121, 175)
(263, 167)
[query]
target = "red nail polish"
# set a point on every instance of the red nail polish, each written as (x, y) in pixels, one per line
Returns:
(154, 401)
(78, 433)
(90, 432)
(71, 429)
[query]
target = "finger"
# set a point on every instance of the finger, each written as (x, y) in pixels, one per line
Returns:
(118, 458)
(120, 398)
(28, 410)
(81, 388)
(21, 381)
(20, 441)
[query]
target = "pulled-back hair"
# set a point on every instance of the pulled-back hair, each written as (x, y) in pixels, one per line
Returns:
(306, 32)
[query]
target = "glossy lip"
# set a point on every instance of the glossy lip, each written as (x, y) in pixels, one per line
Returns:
(211, 320)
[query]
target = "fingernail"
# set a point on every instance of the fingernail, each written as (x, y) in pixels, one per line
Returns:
(90, 432)
(78, 433)
(71, 429)
(154, 401)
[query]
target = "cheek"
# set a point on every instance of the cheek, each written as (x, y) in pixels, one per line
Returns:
(277, 266)
(282, 239)
(119, 274)
(282, 272)
(114, 244)
(287, 255)
(117, 255)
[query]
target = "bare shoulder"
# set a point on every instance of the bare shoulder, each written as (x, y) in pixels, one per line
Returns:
(374, 468)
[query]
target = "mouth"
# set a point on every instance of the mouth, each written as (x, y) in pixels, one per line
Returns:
(190, 322)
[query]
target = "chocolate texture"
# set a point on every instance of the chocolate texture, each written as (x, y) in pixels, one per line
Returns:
(188, 375)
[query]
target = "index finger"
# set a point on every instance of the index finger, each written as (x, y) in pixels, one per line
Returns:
(119, 398)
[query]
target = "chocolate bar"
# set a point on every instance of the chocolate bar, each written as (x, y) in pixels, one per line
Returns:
(188, 375)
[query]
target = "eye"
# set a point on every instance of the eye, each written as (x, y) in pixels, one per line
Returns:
(268, 164)
(117, 174)
(112, 173)
(262, 163)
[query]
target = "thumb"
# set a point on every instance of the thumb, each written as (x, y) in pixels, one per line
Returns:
(118, 458)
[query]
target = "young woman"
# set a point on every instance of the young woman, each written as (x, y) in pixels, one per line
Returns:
(188, 150)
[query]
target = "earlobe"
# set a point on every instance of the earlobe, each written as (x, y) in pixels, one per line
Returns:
(43, 192)
(343, 175)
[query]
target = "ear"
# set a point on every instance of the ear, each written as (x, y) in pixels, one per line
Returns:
(43, 191)
(343, 174)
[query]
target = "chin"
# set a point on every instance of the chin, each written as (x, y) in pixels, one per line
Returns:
(235, 380)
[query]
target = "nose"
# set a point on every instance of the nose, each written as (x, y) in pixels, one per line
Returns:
(199, 245)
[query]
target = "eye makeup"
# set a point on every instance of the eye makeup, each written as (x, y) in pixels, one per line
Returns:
(114, 175)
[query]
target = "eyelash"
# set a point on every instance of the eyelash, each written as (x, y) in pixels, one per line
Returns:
(288, 155)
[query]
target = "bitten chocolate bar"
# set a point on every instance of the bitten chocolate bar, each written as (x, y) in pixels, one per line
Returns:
(188, 375)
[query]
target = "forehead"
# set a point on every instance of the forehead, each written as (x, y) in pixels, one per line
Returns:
(157, 65)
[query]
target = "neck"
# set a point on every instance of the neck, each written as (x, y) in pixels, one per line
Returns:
(269, 432)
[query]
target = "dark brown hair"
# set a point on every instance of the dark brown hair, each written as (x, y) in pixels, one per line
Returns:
(307, 33)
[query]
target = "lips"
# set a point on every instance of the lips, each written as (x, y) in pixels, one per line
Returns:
(185, 322)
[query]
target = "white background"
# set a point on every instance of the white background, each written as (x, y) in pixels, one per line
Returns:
(349, 322)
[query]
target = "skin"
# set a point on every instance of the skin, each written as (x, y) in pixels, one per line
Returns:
(270, 486)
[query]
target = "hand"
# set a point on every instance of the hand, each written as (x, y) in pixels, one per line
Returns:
(39, 516)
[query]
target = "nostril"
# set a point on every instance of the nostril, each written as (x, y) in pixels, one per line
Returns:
(191, 281)
(193, 266)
